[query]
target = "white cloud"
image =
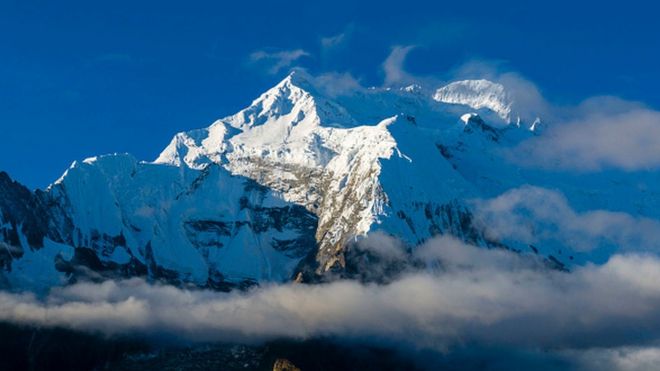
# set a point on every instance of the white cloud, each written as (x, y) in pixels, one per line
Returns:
(600, 138)
(276, 61)
(383, 245)
(463, 294)
(334, 84)
(393, 66)
(533, 215)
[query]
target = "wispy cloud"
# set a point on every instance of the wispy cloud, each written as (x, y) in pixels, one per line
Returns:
(274, 62)
(393, 66)
(334, 41)
(334, 84)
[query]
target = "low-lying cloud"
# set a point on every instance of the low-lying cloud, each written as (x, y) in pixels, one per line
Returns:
(460, 294)
(599, 137)
(536, 215)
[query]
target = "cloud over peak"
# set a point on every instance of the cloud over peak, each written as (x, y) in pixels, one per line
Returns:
(276, 61)
(393, 66)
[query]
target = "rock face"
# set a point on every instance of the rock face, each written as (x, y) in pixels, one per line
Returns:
(278, 190)
(282, 364)
(205, 227)
(21, 217)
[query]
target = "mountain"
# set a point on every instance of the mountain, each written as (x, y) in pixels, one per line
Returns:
(355, 177)
(477, 94)
(279, 190)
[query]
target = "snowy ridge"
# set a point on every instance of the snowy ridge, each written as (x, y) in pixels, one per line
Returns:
(477, 94)
(202, 224)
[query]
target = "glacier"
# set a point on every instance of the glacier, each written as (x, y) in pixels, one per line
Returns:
(280, 190)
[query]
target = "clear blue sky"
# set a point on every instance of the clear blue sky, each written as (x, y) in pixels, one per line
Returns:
(91, 77)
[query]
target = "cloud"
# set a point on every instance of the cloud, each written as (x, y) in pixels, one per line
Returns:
(623, 359)
(334, 41)
(334, 84)
(536, 215)
(331, 84)
(600, 137)
(393, 66)
(274, 62)
(460, 295)
(383, 245)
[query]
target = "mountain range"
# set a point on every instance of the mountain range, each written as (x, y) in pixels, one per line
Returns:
(284, 188)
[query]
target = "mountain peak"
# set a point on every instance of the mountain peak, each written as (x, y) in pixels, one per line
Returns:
(297, 79)
(477, 94)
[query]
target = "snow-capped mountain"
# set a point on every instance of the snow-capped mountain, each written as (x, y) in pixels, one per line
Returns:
(477, 94)
(278, 189)
(355, 175)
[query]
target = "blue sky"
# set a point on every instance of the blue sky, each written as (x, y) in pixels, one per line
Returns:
(84, 78)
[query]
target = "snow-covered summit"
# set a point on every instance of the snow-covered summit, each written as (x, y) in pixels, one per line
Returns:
(477, 94)
(316, 153)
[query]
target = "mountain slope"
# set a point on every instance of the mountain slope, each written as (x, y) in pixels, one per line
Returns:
(205, 227)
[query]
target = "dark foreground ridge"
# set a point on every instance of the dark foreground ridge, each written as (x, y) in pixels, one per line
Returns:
(28, 348)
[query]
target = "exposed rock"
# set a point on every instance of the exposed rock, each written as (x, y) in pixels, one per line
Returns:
(283, 364)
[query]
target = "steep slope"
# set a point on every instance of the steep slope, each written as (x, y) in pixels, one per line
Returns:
(205, 227)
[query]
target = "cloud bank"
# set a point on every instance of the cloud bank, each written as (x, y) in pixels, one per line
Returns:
(459, 294)
(535, 215)
(598, 139)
